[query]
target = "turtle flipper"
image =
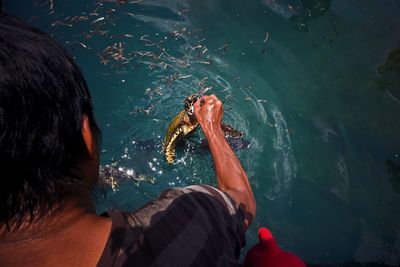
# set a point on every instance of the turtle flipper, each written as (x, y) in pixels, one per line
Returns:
(169, 149)
(229, 131)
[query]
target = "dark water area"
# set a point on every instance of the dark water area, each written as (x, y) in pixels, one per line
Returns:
(313, 85)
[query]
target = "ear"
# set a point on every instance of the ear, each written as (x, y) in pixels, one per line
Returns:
(87, 136)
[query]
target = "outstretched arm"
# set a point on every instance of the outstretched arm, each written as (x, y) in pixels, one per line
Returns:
(231, 177)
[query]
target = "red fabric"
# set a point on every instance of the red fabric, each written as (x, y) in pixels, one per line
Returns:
(267, 253)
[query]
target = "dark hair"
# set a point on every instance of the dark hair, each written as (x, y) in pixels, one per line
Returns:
(43, 96)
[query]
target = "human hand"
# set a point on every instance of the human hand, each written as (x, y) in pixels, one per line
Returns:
(209, 111)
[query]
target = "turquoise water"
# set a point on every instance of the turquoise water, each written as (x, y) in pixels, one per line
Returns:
(300, 78)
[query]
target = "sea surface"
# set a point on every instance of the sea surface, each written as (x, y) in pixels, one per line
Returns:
(314, 85)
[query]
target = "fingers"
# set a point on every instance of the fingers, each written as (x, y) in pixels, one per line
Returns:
(213, 101)
(198, 104)
(202, 102)
(214, 97)
(210, 102)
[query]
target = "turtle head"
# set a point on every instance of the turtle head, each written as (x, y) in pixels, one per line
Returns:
(189, 103)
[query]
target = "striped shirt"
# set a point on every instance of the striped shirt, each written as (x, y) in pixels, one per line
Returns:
(192, 226)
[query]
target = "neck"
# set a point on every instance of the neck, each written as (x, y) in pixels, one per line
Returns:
(63, 215)
(59, 238)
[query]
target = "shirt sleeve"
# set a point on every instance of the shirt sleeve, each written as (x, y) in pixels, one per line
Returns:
(191, 226)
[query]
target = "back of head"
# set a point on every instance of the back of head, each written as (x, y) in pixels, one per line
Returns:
(43, 96)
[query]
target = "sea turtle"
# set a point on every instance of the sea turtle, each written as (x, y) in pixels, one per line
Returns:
(181, 125)
(184, 123)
